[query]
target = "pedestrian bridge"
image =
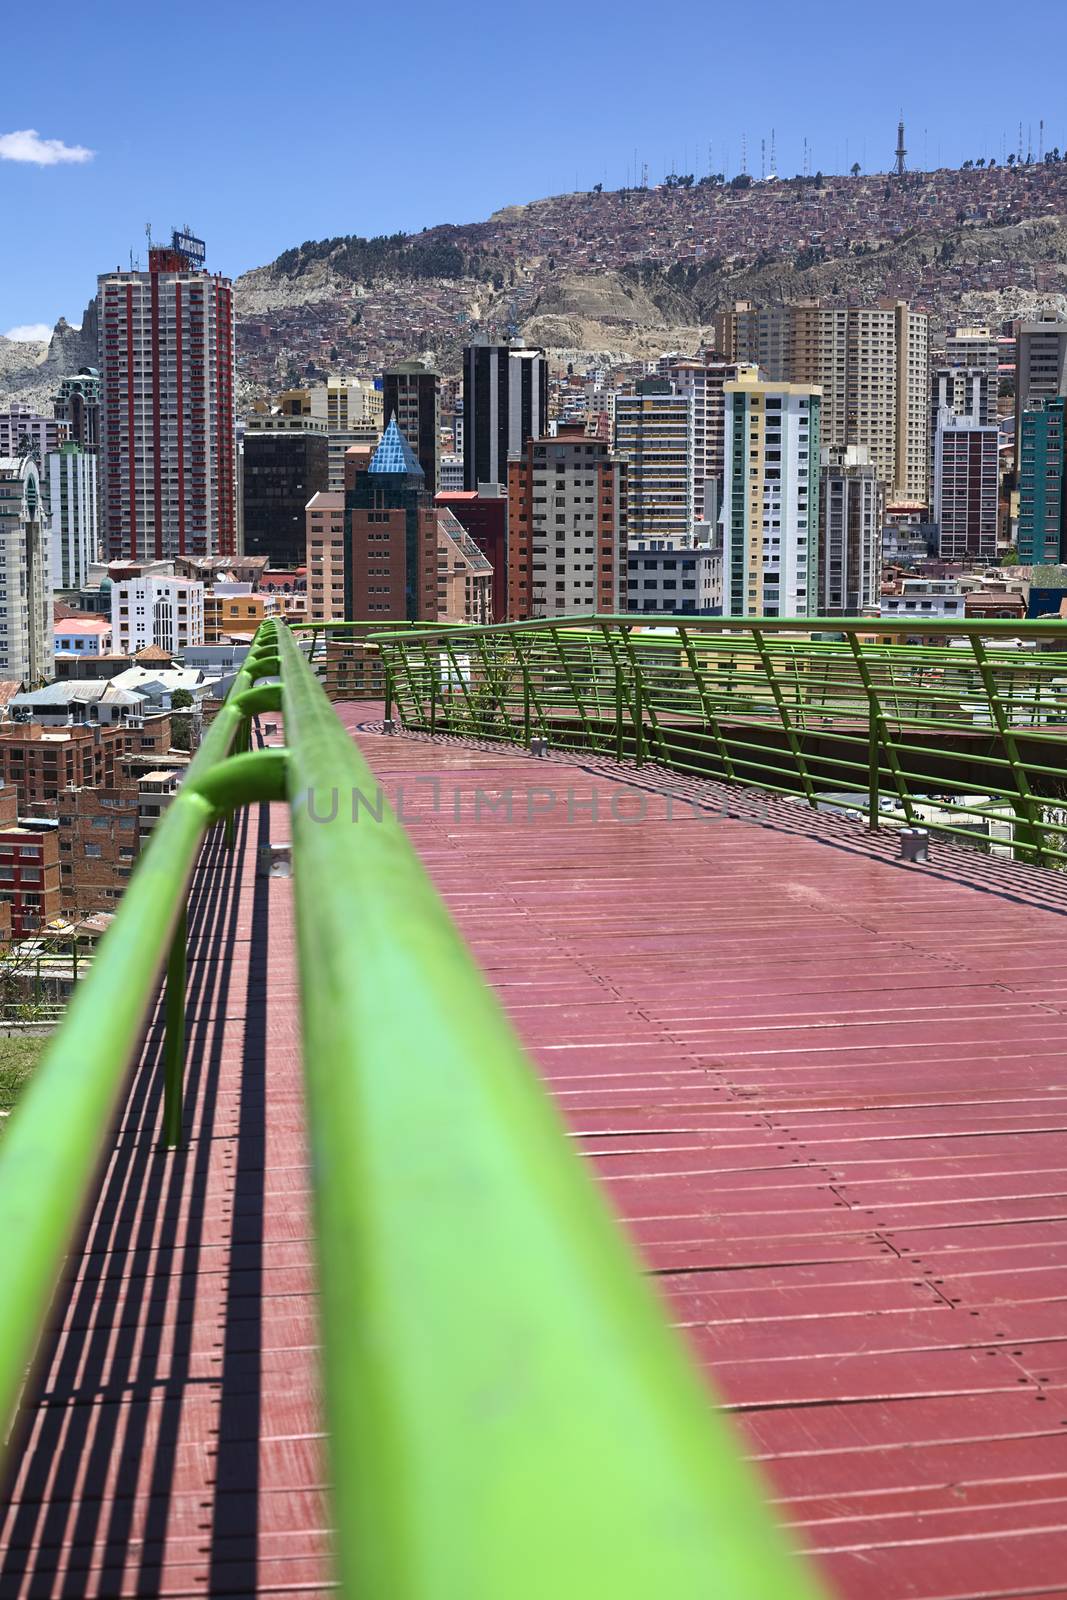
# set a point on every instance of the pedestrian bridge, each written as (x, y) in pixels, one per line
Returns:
(476, 1174)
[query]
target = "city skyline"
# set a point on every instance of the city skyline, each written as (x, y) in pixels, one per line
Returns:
(189, 135)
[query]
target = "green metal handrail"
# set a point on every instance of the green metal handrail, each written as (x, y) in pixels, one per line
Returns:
(821, 710)
(507, 1410)
(54, 1142)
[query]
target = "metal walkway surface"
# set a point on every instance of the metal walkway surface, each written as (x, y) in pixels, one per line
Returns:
(827, 1093)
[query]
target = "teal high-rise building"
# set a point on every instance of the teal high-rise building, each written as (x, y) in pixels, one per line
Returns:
(1041, 536)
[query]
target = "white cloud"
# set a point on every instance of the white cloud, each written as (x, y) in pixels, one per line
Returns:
(30, 333)
(27, 145)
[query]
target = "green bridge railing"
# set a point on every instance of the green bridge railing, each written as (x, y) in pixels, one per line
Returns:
(507, 1410)
(965, 734)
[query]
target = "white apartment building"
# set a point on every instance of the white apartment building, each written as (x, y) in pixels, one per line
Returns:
(973, 347)
(450, 477)
(770, 512)
(156, 610)
(27, 643)
(676, 576)
(925, 598)
(72, 485)
(703, 382)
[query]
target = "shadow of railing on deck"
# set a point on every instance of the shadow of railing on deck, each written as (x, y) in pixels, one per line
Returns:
(110, 1391)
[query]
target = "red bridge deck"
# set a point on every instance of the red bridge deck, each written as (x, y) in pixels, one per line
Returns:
(827, 1092)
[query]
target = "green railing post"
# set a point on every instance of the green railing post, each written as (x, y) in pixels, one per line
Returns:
(639, 723)
(709, 716)
(873, 776)
(527, 731)
(174, 1035)
(783, 713)
(571, 685)
(619, 746)
(1030, 823)
(877, 723)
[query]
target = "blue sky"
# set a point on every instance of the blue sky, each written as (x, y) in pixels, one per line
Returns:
(266, 125)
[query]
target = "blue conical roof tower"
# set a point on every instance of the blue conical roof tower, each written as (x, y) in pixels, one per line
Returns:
(394, 454)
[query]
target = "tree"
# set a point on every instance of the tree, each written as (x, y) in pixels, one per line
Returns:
(819, 180)
(980, 162)
(742, 181)
(598, 188)
(967, 166)
(855, 169)
(1011, 159)
(181, 736)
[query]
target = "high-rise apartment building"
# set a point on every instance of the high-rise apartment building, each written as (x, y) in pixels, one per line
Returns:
(390, 538)
(505, 403)
(771, 499)
(703, 381)
(168, 446)
(872, 365)
(351, 410)
(567, 527)
(156, 609)
(851, 507)
(72, 492)
(654, 431)
(22, 431)
(77, 403)
(966, 485)
(411, 392)
(27, 641)
(1042, 536)
(969, 392)
(325, 558)
(912, 438)
(756, 336)
(1041, 368)
(281, 470)
(976, 348)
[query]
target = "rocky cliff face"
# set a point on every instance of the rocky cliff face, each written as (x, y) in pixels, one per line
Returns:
(30, 373)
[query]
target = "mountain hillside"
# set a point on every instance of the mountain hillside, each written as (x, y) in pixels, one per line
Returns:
(628, 273)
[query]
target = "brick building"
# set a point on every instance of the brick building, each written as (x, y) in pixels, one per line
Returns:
(42, 762)
(29, 870)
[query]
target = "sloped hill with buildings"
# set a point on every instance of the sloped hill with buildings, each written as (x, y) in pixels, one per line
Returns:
(632, 271)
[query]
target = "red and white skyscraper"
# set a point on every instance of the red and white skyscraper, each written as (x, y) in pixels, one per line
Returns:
(168, 447)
